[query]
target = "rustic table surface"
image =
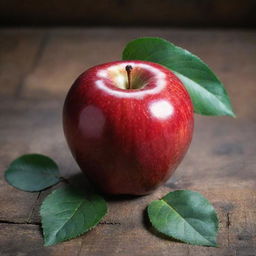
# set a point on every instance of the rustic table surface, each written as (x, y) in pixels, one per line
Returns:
(36, 69)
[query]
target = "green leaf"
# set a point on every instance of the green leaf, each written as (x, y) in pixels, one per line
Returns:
(206, 91)
(67, 213)
(32, 172)
(186, 216)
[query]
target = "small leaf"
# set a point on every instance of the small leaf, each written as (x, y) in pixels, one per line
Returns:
(32, 172)
(186, 216)
(206, 91)
(67, 213)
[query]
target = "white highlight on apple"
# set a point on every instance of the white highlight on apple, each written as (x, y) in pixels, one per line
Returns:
(102, 73)
(160, 80)
(161, 109)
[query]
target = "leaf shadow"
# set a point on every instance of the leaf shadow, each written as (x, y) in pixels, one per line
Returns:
(148, 226)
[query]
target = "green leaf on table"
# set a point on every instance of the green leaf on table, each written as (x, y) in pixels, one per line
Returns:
(186, 216)
(67, 213)
(206, 91)
(32, 172)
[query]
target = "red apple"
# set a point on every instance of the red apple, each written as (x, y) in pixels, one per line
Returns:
(128, 125)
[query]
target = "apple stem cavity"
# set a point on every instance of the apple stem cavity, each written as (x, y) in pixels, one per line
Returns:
(128, 69)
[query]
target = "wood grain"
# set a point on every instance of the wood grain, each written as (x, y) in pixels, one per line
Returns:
(19, 51)
(24, 239)
(220, 163)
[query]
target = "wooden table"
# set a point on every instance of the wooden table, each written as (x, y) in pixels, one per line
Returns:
(36, 69)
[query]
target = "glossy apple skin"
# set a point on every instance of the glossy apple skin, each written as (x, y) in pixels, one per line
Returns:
(123, 144)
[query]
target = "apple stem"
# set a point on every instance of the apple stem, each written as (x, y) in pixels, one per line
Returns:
(128, 69)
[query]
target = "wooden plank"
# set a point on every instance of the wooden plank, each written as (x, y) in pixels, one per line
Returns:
(126, 227)
(16, 205)
(25, 240)
(66, 56)
(220, 163)
(18, 53)
(70, 52)
(129, 230)
(242, 222)
(24, 130)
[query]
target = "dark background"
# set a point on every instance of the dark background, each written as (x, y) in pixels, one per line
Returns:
(184, 13)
